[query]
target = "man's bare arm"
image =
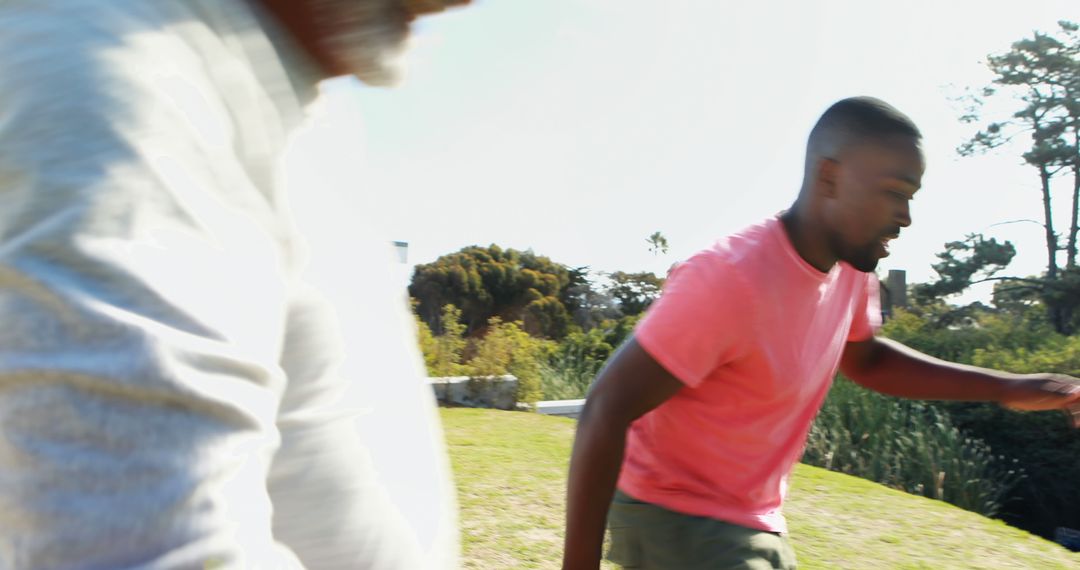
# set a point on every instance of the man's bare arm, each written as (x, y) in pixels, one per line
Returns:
(892, 368)
(630, 385)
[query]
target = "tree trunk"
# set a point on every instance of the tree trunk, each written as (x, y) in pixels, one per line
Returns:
(1071, 260)
(1067, 310)
(1053, 307)
(1051, 238)
(1071, 249)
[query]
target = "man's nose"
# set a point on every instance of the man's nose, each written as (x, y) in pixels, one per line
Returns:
(903, 216)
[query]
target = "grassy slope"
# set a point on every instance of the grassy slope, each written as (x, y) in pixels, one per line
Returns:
(510, 469)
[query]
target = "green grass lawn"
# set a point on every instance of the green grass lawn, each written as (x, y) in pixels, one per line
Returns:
(510, 470)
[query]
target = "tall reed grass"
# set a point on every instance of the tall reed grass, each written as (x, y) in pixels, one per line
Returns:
(567, 375)
(909, 446)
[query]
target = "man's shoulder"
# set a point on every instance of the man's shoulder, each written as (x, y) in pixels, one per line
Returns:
(54, 26)
(100, 45)
(56, 54)
(726, 263)
(740, 247)
(86, 79)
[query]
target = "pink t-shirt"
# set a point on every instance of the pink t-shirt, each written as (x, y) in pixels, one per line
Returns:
(756, 334)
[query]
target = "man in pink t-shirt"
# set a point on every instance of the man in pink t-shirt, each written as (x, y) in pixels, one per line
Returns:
(695, 424)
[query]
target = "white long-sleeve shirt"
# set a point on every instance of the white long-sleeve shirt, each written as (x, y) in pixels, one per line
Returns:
(171, 393)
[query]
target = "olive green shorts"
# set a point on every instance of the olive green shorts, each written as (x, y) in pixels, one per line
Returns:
(646, 536)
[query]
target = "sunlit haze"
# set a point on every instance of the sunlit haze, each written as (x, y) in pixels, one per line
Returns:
(578, 128)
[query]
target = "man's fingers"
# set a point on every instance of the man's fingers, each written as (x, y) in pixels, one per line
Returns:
(1042, 394)
(1066, 387)
(1073, 411)
(1060, 384)
(1071, 392)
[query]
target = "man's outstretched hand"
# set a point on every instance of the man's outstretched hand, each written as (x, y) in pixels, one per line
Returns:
(1038, 392)
(1073, 412)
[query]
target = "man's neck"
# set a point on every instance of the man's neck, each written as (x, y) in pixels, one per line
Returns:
(807, 238)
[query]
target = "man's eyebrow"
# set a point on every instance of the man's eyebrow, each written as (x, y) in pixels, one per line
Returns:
(910, 181)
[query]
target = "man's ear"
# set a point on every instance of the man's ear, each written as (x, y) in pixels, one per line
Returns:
(826, 175)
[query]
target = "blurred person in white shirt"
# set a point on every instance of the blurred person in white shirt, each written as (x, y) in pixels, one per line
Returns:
(173, 394)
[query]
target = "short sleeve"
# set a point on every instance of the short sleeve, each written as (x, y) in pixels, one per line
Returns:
(696, 325)
(866, 320)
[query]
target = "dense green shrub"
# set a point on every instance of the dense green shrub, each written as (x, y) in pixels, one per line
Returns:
(508, 349)
(443, 353)
(505, 348)
(956, 334)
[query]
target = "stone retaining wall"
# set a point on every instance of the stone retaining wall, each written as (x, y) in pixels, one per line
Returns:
(497, 392)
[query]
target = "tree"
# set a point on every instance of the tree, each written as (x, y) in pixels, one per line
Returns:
(443, 353)
(487, 282)
(1043, 73)
(588, 305)
(634, 291)
(657, 243)
(965, 263)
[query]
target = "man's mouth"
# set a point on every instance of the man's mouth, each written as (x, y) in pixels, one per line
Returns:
(884, 241)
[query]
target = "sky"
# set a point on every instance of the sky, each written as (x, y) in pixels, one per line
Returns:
(578, 128)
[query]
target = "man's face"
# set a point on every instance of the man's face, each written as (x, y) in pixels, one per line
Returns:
(367, 38)
(872, 185)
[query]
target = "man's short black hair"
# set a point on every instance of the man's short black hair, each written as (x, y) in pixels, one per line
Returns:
(854, 120)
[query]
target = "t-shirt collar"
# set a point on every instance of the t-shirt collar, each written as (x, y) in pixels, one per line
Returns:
(776, 228)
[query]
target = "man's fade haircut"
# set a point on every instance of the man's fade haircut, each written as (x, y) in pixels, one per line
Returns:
(852, 121)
